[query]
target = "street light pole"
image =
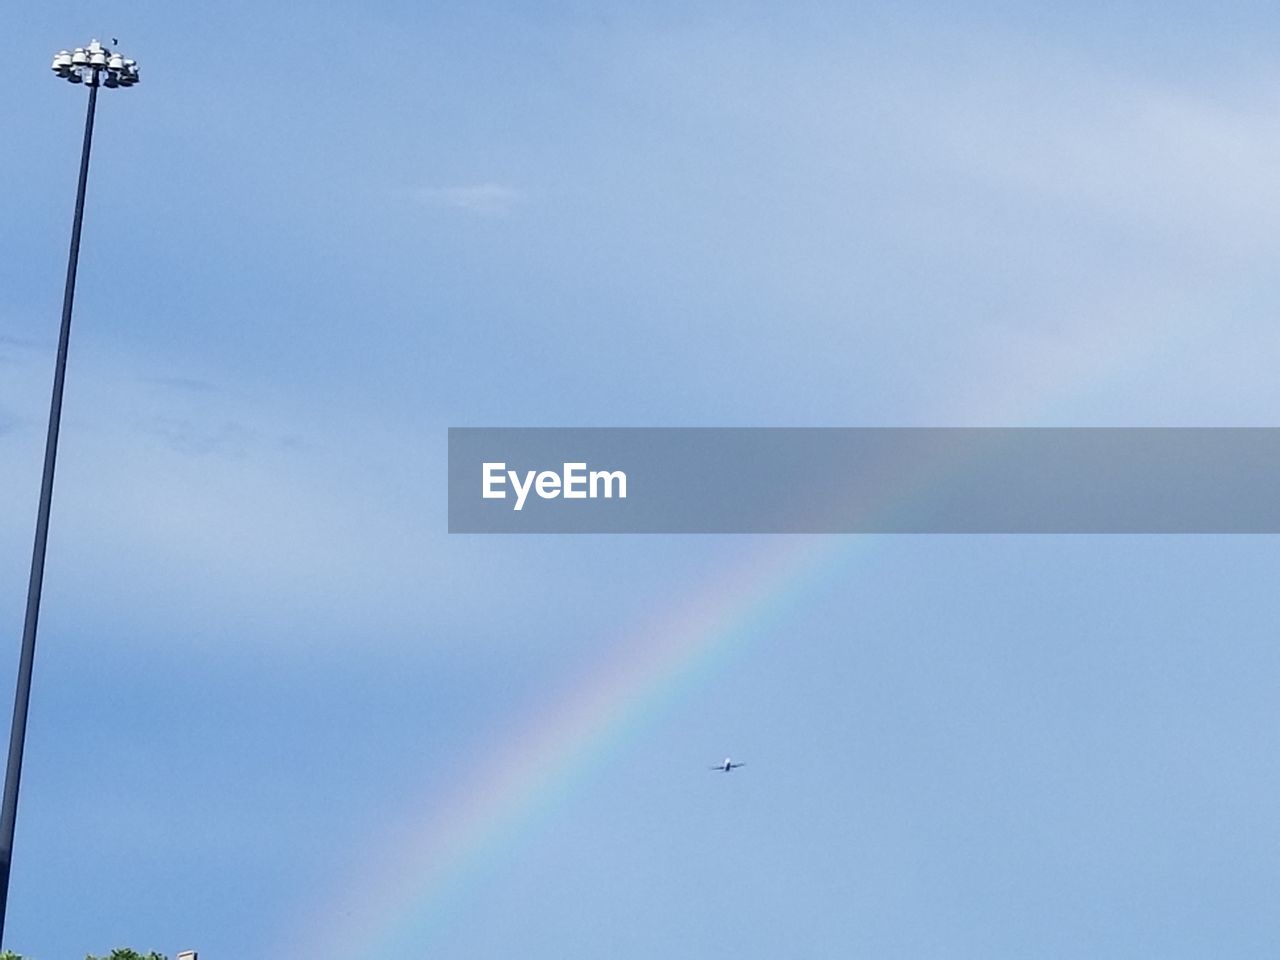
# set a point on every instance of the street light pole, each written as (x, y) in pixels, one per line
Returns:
(93, 66)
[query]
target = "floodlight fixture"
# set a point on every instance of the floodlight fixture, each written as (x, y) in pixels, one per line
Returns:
(96, 65)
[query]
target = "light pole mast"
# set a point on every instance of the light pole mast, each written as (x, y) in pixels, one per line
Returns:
(94, 66)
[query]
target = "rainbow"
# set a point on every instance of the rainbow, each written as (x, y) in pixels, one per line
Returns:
(404, 896)
(405, 893)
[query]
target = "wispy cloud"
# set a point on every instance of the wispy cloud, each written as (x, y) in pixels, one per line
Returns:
(186, 503)
(482, 199)
(187, 384)
(19, 343)
(193, 436)
(14, 350)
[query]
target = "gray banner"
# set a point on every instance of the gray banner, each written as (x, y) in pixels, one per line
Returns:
(864, 480)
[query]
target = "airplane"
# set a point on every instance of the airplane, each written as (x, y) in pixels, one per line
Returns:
(727, 765)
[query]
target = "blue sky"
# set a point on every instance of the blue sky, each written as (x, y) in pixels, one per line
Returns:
(317, 237)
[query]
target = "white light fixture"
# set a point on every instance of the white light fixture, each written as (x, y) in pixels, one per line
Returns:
(96, 65)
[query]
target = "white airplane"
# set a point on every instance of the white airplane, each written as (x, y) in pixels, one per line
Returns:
(727, 765)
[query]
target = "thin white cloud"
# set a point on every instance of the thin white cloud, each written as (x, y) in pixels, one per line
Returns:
(208, 509)
(482, 199)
